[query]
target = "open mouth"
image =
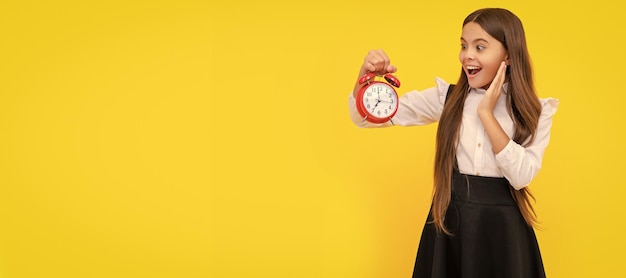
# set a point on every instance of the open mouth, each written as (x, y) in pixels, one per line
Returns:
(473, 70)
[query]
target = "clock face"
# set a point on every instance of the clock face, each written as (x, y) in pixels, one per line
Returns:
(380, 100)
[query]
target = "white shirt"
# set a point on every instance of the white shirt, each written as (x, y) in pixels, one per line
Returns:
(474, 155)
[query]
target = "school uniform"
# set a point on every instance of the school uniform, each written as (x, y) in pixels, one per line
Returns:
(490, 237)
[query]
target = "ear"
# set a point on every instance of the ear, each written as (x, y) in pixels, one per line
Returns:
(506, 59)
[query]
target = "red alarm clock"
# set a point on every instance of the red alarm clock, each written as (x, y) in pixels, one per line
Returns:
(377, 101)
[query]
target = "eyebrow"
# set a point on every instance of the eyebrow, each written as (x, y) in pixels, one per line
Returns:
(477, 40)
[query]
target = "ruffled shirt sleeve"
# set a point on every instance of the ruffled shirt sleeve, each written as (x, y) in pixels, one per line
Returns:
(521, 164)
(414, 107)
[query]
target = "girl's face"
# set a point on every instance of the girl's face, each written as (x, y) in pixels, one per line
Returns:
(481, 55)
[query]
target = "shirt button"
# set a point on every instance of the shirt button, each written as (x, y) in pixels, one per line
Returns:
(479, 145)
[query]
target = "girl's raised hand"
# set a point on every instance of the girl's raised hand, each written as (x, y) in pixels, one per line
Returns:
(488, 103)
(378, 63)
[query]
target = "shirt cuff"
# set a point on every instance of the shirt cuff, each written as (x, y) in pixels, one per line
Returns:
(506, 154)
(507, 159)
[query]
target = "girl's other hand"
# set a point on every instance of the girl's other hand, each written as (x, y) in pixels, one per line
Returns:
(488, 103)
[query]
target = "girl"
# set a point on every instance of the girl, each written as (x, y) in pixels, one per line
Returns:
(492, 133)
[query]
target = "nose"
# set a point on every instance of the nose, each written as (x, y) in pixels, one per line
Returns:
(466, 56)
(469, 54)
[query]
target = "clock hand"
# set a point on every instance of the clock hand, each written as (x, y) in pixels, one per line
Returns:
(374, 108)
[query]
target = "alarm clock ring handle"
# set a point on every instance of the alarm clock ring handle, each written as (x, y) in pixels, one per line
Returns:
(366, 78)
(392, 80)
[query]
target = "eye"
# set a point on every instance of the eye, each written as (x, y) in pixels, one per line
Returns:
(480, 47)
(463, 46)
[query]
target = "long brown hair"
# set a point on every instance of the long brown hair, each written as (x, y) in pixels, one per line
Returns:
(522, 104)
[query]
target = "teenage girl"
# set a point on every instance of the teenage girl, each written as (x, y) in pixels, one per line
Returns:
(492, 133)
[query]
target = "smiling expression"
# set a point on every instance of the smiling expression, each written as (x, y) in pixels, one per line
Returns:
(481, 55)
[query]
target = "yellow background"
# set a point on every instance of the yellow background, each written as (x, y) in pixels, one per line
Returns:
(212, 139)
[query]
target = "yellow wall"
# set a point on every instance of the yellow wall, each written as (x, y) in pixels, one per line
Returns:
(190, 139)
